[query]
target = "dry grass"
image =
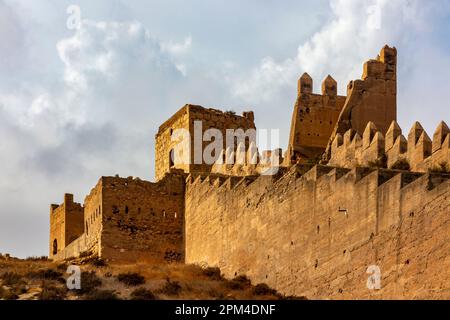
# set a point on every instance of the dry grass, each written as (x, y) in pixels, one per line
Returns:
(42, 279)
(171, 288)
(90, 281)
(52, 292)
(6, 294)
(131, 279)
(46, 274)
(11, 278)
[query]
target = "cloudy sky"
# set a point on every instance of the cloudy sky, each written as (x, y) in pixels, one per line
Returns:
(76, 104)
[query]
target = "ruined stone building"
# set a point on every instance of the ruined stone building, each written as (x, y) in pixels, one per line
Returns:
(350, 194)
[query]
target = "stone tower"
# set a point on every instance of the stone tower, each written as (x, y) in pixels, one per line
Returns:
(313, 120)
(66, 224)
(372, 98)
(188, 123)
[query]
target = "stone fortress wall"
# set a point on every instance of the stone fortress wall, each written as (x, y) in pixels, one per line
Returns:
(350, 193)
(128, 219)
(314, 232)
(143, 220)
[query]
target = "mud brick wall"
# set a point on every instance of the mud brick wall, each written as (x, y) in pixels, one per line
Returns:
(142, 220)
(315, 233)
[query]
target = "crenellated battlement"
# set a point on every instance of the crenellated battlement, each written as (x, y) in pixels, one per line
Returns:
(333, 176)
(306, 86)
(247, 161)
(417, 152)
(313, 119)
(306, 230)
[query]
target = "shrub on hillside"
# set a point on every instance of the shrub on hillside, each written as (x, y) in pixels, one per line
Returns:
(239, 283)
(131, 279)
(171, 288)
(47, 274)
(51, 292)
(142, 294)
(213, 273)
(263, 289)
(11, 279)
(99, 262)
(89, 282)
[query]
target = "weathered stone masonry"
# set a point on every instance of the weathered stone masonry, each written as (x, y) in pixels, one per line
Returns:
(185, 119)
(128, 219)
(66, 224)
(377, 198)
(315, 234)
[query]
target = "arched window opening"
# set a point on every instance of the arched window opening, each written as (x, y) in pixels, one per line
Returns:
(55, 246)
(126, 210)
(87, 228)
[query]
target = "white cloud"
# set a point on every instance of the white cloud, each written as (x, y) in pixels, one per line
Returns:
(266, 82)
(97, 118)
(111, 72)
(104, 50)
(357, 30)
(177, 49)
(12, 44)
